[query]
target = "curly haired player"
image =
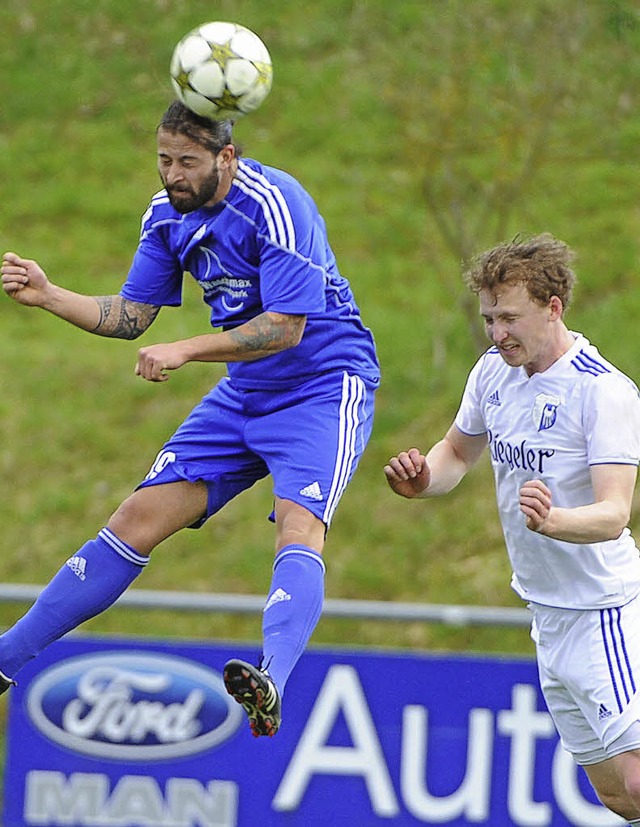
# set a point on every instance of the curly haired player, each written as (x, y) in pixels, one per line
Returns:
(562, 426)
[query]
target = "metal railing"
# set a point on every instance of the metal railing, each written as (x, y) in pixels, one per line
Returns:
(452, 615)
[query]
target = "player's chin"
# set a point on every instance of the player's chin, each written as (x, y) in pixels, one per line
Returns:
(513, 358)
(183, 205)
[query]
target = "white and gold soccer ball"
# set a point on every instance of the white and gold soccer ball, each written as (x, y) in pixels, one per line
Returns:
(221, 70)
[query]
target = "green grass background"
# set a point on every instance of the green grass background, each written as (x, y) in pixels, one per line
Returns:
(426, 130)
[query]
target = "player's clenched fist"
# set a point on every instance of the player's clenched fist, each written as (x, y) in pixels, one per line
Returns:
(155, 360)
(23, 279)
(408, 473)
(535, 504)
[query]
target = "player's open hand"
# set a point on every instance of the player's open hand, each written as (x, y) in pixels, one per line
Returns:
(155, 360)
(408, 473)
(535, 504)
(24, 280)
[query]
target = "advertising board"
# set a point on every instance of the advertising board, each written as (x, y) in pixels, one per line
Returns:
(139, 733)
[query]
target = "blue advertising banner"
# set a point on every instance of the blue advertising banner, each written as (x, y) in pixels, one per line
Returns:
(137, 733)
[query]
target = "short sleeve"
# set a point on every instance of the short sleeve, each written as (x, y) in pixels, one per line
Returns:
(611, 419)
(155, 276)
(470, 418)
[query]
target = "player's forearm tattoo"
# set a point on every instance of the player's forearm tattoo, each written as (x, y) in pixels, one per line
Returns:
(268, 333)
(123, 319)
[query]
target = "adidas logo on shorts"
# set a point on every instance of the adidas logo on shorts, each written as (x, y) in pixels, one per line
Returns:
(312, 491)
(603, 712)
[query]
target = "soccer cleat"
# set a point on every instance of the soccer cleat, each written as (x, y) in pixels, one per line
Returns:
(5, 683)
(254, 689)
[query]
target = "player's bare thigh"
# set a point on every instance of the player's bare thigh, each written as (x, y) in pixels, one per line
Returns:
(153, 513)
(617, 783)
(296, 524)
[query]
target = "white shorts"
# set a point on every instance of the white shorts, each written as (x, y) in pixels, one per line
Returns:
(589, 667)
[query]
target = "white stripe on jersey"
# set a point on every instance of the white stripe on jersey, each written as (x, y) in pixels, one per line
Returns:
(274, 206)
(159, 198)
(353, 391)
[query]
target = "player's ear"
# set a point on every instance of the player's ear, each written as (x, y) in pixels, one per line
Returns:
(226, 155)
(556, 307)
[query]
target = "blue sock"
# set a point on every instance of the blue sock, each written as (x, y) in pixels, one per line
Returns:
(292, 610)
(86, 585)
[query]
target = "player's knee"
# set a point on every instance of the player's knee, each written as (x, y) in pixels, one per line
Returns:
(130, 511)
(618, 802)
(623, 797)
(632, 787)
(133, 523)
(296, 524)
(627, 764)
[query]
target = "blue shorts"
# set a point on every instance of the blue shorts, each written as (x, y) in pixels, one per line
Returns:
(309, 438)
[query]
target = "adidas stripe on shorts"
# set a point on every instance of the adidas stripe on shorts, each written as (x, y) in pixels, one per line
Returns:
(309, 438)
(589, 666)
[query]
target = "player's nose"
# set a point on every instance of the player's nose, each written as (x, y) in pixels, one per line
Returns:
(499, 332)
(173, 175)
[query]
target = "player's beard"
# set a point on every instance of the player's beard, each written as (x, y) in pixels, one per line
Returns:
(187, 199)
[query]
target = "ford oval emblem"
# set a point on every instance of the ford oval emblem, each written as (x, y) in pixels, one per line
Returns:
(133, 706)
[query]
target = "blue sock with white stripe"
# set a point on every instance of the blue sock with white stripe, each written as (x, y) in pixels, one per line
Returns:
(87, 584)
(292, 610)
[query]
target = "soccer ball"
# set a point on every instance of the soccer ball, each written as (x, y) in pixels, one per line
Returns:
(221, 70)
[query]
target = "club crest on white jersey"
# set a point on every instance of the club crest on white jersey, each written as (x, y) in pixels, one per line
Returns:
(545, 411)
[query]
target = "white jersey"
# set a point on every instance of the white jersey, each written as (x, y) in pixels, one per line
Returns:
(553, 426)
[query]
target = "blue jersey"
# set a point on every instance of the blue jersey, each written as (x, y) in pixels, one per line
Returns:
(262, 248)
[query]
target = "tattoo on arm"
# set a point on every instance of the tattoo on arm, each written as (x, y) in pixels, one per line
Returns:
(123, 319)
(268, 333)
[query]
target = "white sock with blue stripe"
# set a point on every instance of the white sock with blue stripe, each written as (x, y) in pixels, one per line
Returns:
(87, 584)
(292, 610)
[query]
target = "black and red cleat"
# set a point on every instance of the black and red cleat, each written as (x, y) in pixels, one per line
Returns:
(254, 689)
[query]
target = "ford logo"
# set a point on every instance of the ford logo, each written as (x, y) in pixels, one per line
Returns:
(132, 706)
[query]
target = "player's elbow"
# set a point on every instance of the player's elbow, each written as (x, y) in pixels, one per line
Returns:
(296, 336)
(613, 535)
(618, 521)
(617, 530)
(290, 330)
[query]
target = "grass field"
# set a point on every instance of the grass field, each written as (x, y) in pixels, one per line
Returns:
(426, 130)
